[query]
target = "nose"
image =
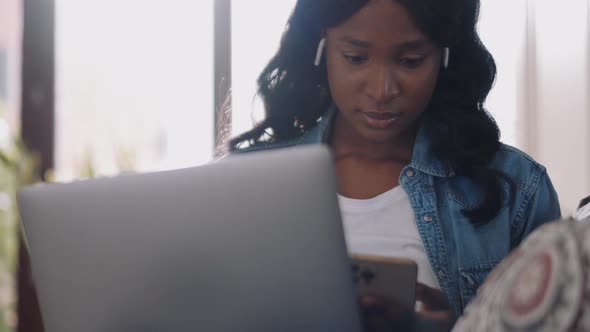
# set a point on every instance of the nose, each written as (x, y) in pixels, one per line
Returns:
(383, 86)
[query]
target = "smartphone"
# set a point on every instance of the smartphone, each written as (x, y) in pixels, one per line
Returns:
(392, 279)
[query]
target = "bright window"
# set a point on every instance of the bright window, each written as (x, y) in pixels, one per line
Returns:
(134, 85)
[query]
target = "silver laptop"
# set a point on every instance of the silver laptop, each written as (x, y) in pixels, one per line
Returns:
(251, 243)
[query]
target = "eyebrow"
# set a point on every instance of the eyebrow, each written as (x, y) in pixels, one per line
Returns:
(415, 44)
(355, 42)
(406, 46)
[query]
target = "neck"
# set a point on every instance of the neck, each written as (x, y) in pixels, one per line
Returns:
(346, 141)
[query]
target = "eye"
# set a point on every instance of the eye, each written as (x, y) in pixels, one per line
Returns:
(412, 62)
(356, 59)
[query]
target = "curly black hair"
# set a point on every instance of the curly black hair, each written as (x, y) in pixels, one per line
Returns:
(463, 132)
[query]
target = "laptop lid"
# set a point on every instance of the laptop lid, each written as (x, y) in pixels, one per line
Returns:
(253, 242)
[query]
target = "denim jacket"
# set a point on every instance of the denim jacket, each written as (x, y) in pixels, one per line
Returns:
(462, 254)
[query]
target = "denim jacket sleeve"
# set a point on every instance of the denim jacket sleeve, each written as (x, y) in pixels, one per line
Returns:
(542, 206)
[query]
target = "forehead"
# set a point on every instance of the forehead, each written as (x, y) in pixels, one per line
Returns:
(381, 22)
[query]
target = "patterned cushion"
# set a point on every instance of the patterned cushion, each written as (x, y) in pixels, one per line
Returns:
(544, 285)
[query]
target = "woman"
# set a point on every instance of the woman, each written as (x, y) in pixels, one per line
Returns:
(396, 88)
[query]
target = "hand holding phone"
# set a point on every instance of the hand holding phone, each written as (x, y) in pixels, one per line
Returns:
(388, 279)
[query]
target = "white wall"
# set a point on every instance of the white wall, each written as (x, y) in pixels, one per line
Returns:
(502, 28)
(558, 131)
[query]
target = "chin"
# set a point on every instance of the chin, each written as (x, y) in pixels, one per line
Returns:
(380, 136)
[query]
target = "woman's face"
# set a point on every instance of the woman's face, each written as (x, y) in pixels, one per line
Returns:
(382, 71)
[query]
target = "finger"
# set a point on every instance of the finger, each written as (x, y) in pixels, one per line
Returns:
(432, 299)
(370, 301)
(372, 305)
(443, 319)
(435, 314)
(377, 306)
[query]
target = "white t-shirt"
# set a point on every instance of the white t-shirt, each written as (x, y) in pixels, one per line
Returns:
(385, 225)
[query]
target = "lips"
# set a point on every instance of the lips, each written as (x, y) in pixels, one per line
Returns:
(381, 115)
(380, 120)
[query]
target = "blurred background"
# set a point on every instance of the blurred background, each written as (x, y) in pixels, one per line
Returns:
(95, 88)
